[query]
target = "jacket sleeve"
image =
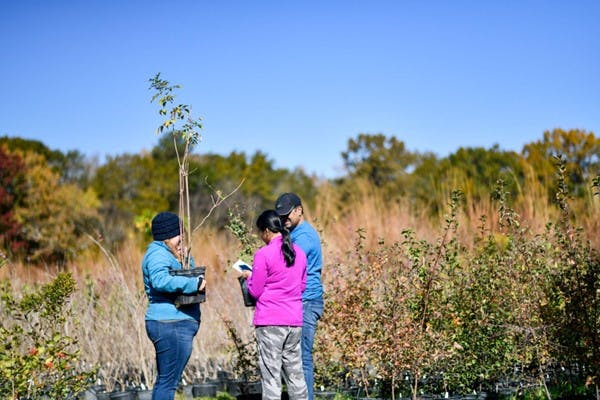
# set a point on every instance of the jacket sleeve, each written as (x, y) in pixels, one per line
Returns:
(256, 281)
(160, 261)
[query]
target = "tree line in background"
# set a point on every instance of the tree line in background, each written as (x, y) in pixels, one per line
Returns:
(51, 201)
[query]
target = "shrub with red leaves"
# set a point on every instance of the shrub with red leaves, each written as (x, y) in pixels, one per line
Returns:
(11, 188)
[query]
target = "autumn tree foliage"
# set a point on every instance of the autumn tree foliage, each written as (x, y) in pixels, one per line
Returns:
(130, 188)
(11, 191)
(427, 180)
(383, 161)
(580, 150)
(46, 207)
(72, 166)
(54, 217)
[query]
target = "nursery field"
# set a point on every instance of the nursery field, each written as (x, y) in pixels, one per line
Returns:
(469, 275)
(486, 298)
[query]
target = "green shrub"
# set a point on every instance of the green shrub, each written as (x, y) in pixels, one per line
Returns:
(36, 358)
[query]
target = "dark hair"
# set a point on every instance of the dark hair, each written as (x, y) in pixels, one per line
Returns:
(270, 220)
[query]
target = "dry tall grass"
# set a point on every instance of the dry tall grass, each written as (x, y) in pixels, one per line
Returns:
(110, 302)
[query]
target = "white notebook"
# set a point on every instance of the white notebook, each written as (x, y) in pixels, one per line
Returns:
(241, 266)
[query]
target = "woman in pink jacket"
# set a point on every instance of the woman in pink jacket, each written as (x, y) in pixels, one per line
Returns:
(277, 281)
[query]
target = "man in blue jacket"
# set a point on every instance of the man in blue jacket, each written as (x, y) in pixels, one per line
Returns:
(289, 207)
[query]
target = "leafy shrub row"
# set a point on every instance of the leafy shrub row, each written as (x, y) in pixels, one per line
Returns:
(36, 357)
(457, 315)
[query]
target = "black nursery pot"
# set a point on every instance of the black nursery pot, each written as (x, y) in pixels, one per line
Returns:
(127, 395)
(249, 301)
(204, 390)
(186, 299)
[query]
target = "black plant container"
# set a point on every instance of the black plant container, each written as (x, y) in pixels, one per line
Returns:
(126, 395)
(249, 396)
(234, 387)
(186, 299)
(143, 395)
(204, 390)
(249, 301)
(92, 392)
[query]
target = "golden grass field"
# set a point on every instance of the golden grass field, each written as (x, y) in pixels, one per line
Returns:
(110, 304)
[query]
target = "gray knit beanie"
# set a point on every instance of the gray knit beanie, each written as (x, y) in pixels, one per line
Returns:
(165, 225)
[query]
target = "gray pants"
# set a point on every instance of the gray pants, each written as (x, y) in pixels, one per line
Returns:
(280, 355)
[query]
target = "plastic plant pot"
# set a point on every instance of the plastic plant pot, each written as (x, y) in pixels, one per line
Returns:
(186, 299)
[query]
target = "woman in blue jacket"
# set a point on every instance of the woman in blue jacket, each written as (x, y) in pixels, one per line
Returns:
(171, 328)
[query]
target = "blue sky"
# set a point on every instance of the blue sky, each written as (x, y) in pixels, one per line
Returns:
(298, 79)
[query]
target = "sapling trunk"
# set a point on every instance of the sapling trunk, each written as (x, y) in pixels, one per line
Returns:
(415, 386)
(187, 135)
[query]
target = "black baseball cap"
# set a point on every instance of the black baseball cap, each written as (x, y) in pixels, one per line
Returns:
(286, 203)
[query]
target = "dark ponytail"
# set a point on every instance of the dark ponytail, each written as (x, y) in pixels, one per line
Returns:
(270, 220)
(286, 247)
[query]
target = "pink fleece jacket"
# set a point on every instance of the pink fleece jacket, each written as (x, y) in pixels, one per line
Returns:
(276, 287)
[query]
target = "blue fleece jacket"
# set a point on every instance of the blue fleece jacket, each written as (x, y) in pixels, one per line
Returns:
(162, 288)
(305, 236)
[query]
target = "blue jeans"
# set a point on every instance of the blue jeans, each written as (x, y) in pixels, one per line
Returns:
(313, 309)
(173, 344)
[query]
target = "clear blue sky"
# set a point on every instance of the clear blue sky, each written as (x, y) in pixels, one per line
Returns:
(297, 79)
